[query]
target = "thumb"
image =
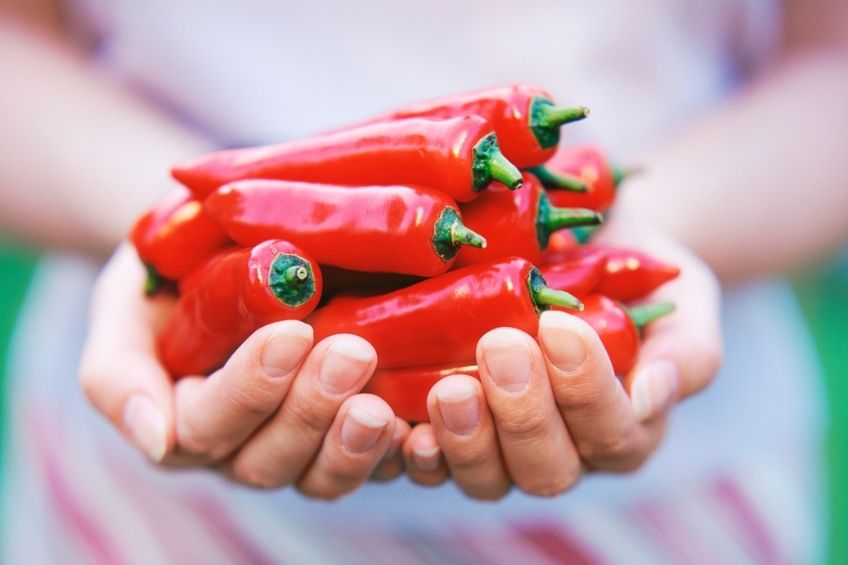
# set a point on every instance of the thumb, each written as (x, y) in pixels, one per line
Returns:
(119, 371)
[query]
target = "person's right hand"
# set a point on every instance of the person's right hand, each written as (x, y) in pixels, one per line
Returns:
(279, 412)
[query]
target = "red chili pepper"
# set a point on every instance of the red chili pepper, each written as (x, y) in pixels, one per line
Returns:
(232, 295)
(579, 276)
(459, 156)
(176, 236)
(389, 229)
(628, 274)
(575, 167)
(524, 117)
(440, 319)
(406, 389)
(619, 327)
(518, 223)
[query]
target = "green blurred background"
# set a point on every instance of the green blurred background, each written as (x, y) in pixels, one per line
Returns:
(823, 294)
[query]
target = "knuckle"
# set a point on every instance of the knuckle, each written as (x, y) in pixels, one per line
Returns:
(254, 401)
(332, 485)
(308, 418)
(468, 460)
(489, 493)
(572, 397)
(617, 447)
(523, 425)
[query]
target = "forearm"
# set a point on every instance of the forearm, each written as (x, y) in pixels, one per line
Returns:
(760, 185)
(80, 156)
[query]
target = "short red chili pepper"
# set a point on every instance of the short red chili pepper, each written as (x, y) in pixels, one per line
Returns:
(440, 319)
(575, 167)
(406, 389)
(518, 223)
(619, 327)
(176, 236)
(524, 117)
(628, 274)
(459, 156)
(389, 229)
(232, 295)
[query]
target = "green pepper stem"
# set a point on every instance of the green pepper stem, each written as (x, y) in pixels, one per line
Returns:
(551, 297)
(463, 235)
(501, 170)
(559, 218)
(647, 313)
(621, 174)
(544, 297)
(551, 179)
(296, 273)
(550, 116)
(153, 281)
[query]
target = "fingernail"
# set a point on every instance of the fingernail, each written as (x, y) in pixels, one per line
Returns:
(564, 345)
(459, 406)
(146, 426)
(507, 362)
(344, 365)
(361, 430)
(285, 349)
(654, 389)
(426, 458)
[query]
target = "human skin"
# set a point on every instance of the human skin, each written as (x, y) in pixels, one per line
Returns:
(540, 433)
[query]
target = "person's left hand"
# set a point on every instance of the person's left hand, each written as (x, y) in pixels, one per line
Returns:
(548, 409)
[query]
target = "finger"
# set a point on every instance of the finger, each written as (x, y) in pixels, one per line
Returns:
(680, 353)
(423, 457)
(594, 405)
(215, 415)
(119, 371)
(280, 451)
(357, 441)
(391, 465)
(539, 455)
(466, 434)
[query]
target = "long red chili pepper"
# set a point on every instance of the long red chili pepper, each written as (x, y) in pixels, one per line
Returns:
(518, 223)
(628, 274)
(584, 166)
(459, 156)
(440, 319)
(579, 276)
(389, 229)
(619, 327)
(232, 295)
(524, 117)
(175, 236)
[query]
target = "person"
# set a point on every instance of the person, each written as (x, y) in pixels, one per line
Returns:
(286, 412)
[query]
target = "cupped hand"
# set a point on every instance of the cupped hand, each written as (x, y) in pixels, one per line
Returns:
(281, 411)
(549, 408)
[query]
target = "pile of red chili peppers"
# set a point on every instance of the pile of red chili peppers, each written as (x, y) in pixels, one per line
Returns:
(419, 230)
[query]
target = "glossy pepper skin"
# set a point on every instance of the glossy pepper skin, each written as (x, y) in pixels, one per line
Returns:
(518, 223)
(524, 117)
(579, 276)
(627, 275)
(459, 156)
(387, 229)
(620, 327)
(176, 235)
(586, 165)
(406, 389)
(232, 295)
(440, 319)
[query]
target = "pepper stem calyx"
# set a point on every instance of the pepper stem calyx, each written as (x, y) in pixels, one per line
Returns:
(449, 233)
(643, 315)
(545, 120)
(490, 164)
(291, 280)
